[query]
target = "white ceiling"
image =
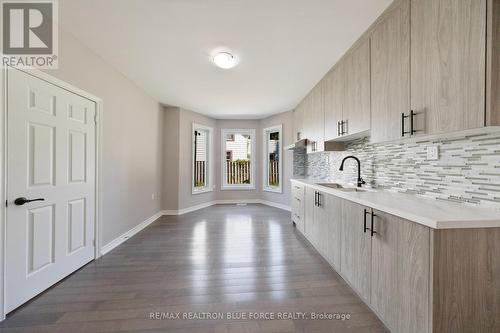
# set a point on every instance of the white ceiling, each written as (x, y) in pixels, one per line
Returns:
(284, 47)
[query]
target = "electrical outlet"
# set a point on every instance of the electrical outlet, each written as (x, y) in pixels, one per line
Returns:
(152, 196)
(433, 153)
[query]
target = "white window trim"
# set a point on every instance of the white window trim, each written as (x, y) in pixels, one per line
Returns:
(265, 187)
(224, 185)
(209, 186)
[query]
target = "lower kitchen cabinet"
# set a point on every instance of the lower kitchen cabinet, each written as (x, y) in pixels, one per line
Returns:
(332, 233)
(400, 273)
(298, 206)
(415, 278)
(356, 248)
(309, 207)
(322, 224)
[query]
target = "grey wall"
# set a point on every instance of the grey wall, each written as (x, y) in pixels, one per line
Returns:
(468, 170)
(177, 159)
(171, 158)
(132, 138)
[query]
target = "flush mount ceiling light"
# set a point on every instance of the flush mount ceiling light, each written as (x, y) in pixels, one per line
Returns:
(224, 60)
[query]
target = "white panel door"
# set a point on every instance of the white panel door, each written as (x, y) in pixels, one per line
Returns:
(50, 156)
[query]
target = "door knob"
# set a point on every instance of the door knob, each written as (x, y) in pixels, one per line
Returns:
(21, 201)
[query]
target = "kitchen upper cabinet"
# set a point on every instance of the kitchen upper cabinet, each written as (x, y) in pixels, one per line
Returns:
(333, 102)
(314, 119)
(400, 273)
(448, 55)
(347, 94)
(390, 75)
(309, 120)
(356, 106)
(355, 263)
(298, 122)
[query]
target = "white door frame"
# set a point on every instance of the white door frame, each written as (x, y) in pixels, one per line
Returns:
(3, 166)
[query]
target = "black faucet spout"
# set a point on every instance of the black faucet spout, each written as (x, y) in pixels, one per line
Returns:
(360, 180)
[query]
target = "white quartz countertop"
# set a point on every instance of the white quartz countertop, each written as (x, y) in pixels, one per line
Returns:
(433, 213)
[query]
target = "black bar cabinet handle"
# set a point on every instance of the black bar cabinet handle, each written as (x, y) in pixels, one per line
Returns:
(319, 199)
(373, 232)
(412, 114)
(403, 132)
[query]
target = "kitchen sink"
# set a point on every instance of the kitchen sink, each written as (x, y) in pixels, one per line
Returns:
(341, 188)
(330, 185)
(352, 189)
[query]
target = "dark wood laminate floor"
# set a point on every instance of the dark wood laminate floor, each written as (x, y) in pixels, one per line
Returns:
(220, 259)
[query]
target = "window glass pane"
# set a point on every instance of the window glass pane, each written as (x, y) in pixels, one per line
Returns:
(273, 157)
(238, 159)
(200, 158)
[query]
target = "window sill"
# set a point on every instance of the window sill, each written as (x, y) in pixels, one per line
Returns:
(273, 190)
(237, 188)
(201, 191)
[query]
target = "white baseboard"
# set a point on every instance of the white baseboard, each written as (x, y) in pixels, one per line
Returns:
(189, 209)
(119, 240)
(226, 202)
(236, 202)
(276, 205)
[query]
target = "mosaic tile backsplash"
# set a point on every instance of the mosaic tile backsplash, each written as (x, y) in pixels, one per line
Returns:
(467, 171)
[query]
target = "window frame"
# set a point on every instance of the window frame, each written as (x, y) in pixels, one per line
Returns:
(253, 158)
(208, 166)
(265, 157)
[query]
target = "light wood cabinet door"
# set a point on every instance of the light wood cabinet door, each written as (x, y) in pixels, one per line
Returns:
(400, 273)
(448, 64)
(314, 118)
(356, 111)
(390, 74)
(298, 123)
(298, 206)
(318, 114)
(309, 208)
(333, 101)
(333, 231)
(355, 262)
(321, 218)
